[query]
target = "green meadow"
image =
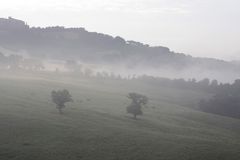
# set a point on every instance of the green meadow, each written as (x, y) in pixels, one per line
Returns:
(96, 126)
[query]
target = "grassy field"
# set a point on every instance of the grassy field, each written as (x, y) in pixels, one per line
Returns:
(96, 126)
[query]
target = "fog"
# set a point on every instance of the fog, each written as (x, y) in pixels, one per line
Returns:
(52, 48)
(121, 92)
(129, 68)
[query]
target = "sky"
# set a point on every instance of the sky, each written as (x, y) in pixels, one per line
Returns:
(202, 28)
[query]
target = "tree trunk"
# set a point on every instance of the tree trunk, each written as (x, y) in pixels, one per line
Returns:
(60, 111)
(60, 107)
(135, 116)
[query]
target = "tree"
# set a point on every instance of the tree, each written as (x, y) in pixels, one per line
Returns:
(61, 97)
(226, 101)
(138, 101)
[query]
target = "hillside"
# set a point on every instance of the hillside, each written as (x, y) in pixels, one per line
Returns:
(96, 127)
(59, 43)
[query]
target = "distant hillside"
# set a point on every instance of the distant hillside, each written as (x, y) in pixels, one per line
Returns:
(91, 47)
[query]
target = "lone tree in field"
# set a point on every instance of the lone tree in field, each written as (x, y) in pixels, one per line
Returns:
(61, 97)
(138, 101)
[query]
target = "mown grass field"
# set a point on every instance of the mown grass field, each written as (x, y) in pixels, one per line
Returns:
(97, 127)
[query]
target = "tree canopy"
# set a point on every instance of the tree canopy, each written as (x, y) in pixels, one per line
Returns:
(138, 101)
(61, 97)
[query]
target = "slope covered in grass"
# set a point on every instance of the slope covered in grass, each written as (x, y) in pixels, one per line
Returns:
(97, 127)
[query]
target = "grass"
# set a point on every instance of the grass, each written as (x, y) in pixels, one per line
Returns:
(96, 126)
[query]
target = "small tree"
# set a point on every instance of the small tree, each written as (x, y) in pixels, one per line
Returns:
(138, 101)
(61, 97)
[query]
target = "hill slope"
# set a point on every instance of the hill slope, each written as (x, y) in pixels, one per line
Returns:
(96, 125)
(91, 47)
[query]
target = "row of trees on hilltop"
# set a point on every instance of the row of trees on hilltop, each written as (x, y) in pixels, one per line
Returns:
(59, 43)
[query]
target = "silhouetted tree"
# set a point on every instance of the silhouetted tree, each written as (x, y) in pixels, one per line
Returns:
(138, 101)
(61, 97)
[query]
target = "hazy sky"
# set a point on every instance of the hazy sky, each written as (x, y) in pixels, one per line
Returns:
(197, 27)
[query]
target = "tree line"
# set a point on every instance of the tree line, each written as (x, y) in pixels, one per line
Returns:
(226, 101)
